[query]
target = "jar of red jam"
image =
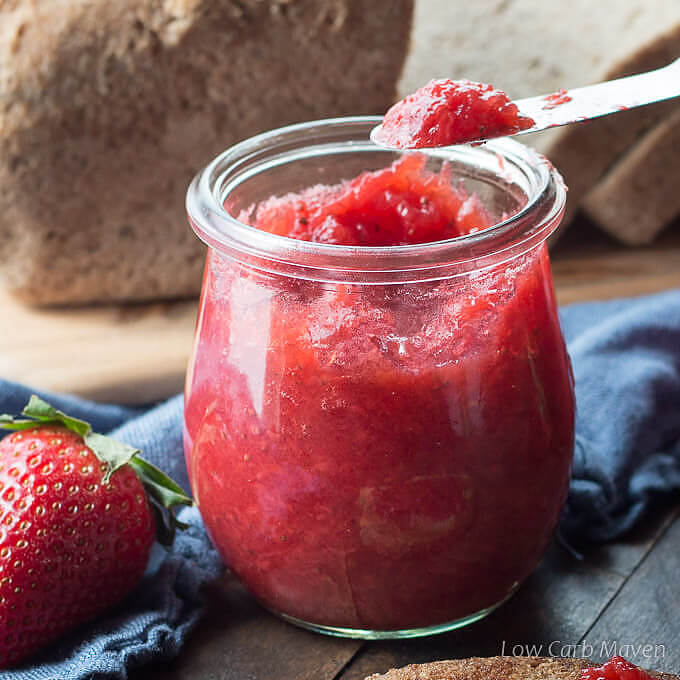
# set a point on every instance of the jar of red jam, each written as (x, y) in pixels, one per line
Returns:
(378, 437)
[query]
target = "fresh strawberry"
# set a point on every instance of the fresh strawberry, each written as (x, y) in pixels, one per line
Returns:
(76, 525)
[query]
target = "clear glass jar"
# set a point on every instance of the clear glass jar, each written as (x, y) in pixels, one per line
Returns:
(379, 438)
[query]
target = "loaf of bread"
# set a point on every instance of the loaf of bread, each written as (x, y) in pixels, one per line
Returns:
(108, 109)
(527, 47)
(639, 196)
(498, 668)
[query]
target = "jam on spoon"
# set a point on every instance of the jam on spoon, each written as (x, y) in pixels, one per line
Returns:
(446, 112)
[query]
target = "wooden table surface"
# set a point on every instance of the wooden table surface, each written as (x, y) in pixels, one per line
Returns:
(620, 598)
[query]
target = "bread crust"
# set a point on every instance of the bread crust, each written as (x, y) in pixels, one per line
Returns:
(638, 197)
(584, 153)
(498, 668)
(108, 109)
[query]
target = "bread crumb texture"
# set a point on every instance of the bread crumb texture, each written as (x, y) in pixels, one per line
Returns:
(498, 668)
(108, 109)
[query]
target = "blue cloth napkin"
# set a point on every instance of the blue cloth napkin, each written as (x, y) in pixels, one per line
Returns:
(626, 358)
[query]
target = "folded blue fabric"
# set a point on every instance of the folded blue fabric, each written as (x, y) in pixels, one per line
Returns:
(626, 358)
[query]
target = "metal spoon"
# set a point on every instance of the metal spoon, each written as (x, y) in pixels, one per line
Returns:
(593, 101)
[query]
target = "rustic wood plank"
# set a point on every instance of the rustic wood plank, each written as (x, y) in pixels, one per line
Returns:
(238, 640)
(126, 354)
(643, 620)
(623, 556)
(550, 615)
(588, 265)
(557, 603)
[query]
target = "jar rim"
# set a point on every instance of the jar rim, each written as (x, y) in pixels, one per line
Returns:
(506, 239)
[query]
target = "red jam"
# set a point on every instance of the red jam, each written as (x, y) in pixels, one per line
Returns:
(379, 456)
(556, 99)
(446, 112)
(400, 205)
(617, 668)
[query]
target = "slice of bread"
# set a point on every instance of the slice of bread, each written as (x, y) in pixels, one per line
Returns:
(529, 48)
(639, 196)
(586, 152)
(498, 668)
(108, 109)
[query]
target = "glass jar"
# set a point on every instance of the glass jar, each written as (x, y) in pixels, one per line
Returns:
(379, 439)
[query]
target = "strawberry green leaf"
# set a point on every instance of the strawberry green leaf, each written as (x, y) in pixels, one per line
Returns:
(8, 422)
(110, 451)
(166, 490)
(164, 494)
(42, 411)
(165, 531)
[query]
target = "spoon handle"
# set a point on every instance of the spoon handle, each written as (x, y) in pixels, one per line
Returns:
(601, 99)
